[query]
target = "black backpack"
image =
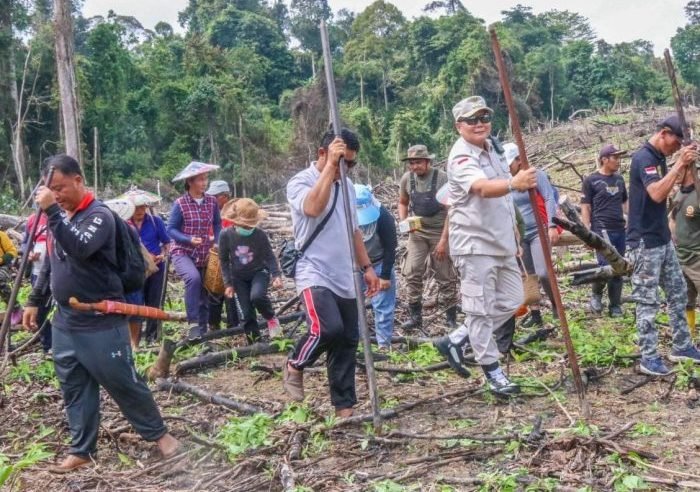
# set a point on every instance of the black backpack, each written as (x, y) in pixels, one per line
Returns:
(131, 266)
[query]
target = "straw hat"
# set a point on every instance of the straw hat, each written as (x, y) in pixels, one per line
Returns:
(124, 208)
(244, 212)
(140, 197)
(194, 168)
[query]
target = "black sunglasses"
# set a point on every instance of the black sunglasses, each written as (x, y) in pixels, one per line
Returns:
(473, 120)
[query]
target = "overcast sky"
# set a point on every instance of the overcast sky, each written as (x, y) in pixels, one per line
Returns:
(613, 20)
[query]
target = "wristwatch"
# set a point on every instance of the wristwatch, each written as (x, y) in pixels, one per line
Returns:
(364, 268)
(510, 185)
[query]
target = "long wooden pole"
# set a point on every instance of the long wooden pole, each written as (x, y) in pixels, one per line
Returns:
(541, 228)
(685, 128)
(357, 276)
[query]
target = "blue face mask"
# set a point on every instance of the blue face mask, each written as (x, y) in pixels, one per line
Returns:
(244, 232)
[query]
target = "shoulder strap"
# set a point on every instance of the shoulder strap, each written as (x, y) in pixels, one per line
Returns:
(323, 223)
(433, 184)
(413, 182)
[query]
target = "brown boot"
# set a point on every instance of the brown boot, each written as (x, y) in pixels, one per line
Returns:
(72, 462)
(343, 413)
(294, 382)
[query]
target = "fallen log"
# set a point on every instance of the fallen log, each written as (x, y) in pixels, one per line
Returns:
(205, 396)
(598, 274)
(576, 266)
(11, 221)
(221, 357)
(618, 263)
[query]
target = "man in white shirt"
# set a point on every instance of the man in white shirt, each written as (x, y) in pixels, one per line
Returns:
(483, 242)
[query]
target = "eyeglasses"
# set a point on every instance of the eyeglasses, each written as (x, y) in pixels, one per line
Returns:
(473, 120)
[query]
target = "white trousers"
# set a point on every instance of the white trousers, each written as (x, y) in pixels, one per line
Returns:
(492, 290)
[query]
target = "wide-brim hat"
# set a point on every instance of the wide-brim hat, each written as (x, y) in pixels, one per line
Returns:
(469, 107)
(140, 197)
(366, 204)
(418, 152)
(244, 212)
(124, 208)
(195, 168)
(228, 210)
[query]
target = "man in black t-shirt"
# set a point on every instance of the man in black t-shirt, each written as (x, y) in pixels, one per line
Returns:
(603, 206)
(651, 251)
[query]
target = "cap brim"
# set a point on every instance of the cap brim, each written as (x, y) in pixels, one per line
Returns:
(474, 111)
(367, 215)
(430, 157)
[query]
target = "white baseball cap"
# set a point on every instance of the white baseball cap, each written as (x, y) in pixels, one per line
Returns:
(511, 152)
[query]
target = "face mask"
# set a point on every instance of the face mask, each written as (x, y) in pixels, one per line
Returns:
(244, 232)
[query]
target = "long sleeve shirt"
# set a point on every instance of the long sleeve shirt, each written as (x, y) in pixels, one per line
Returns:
(242, 256)
(522, 201)
(82, 264)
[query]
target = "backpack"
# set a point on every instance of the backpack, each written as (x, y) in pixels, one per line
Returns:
(131, 266)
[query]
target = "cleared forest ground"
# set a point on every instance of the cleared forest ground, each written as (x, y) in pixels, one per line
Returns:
(441, 433)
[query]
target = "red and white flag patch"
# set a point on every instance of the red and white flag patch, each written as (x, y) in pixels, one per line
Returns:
(650, 170)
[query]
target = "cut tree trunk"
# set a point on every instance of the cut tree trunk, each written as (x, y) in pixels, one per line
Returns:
(67, 83)
(217, 358)
(598, 274)
(205, 396)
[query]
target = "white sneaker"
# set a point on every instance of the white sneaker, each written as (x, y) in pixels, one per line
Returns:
(274, 328)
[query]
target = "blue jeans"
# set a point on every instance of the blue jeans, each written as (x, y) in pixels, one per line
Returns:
(383, 305)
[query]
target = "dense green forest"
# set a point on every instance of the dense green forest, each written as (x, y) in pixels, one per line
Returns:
(242, 86)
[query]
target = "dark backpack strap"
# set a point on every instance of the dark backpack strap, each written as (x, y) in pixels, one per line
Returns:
(323, 223)
(433, 183)
(413, 183)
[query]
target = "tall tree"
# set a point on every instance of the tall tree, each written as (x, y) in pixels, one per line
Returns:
(67, 83)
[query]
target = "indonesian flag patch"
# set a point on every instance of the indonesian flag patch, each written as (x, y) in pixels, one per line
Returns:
(651, 170)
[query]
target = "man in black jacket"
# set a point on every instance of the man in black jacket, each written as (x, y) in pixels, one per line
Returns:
(89, 349)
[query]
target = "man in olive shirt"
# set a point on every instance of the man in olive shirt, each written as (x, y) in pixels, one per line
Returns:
(685, 225)
(417, 196)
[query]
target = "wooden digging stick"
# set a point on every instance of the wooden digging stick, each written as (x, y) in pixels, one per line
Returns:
(541, 228)
(114, 307)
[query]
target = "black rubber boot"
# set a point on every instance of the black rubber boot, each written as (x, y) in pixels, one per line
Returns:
(503, 335)
(451, 317)
(415, 320)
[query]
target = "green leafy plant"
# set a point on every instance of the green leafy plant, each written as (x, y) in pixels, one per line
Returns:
(282, 344)
(34, 454)
(298, 413)
(642, 429)
(240, 434)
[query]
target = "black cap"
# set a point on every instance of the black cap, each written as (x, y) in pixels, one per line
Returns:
(673, 124)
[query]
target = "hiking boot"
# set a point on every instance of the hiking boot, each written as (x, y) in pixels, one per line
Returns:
(415, 317)
(534, 319)
(274, 329)
(195, 333)
(654, 367)
(454, 355)
(451, 317)
(596, 304)
(293, 382)
(616, 312)
(691, 353)
(500, 384)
